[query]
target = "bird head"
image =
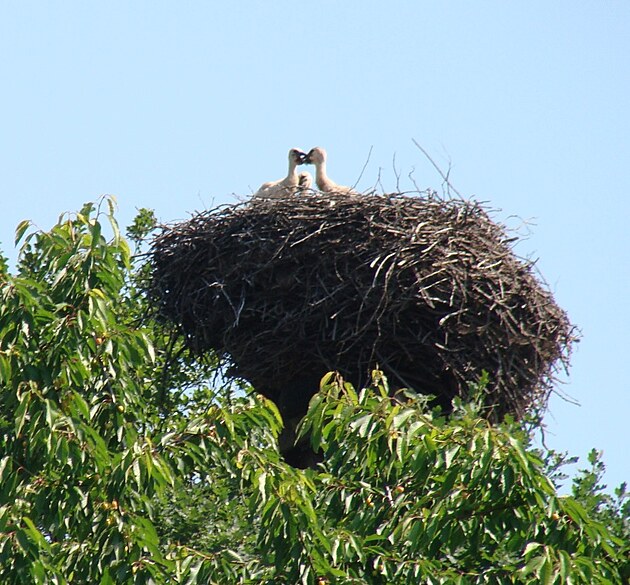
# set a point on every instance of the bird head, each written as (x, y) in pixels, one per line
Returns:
(297, 156)
(315, 156)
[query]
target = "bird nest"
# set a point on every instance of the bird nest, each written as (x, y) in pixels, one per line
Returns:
(428, 290)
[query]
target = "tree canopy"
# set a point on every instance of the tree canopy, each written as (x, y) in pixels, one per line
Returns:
(123, 459)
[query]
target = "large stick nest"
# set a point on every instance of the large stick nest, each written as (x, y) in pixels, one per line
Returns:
(428, 290)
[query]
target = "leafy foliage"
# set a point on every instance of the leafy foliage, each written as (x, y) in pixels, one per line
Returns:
(83, 453)
(408, 497)
(611, 510)
(120, 463)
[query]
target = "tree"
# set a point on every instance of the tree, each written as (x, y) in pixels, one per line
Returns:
(121, 463)
(83, 452)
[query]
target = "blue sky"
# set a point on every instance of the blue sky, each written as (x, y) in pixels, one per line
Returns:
(177, 106)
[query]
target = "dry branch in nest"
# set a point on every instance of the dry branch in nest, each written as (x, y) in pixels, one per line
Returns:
(428, 290)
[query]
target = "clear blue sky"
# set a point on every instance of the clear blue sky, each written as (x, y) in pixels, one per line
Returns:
(176, 106)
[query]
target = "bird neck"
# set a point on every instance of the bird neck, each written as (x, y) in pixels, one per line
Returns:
(292, 168)
(320, 172)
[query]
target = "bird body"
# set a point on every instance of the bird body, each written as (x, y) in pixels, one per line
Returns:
(317, 157)
(291, 184)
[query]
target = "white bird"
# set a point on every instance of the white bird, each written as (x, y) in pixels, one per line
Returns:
(291, 184)
(317, 157)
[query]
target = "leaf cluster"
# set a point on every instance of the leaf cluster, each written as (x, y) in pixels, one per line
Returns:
(406, 496)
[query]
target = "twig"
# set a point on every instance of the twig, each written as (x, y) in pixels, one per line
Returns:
(364, 167)
(437, 168)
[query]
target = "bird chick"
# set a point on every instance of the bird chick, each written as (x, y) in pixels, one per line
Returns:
(291, 184)
(317, 157)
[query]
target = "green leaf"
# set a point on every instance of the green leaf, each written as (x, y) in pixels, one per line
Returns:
(450, 454)
(135, 467)
(401, 418)
(532, 546)
(21, 229)
(262, 486)
(36, 536)
(5, 369)
(21, 412)
(564, 563)
(361, 424)
(96, 235)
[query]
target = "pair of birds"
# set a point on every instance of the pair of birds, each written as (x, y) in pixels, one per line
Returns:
(296, 182)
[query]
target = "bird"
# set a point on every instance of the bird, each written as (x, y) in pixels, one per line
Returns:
(317, 157)
(291, 184)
